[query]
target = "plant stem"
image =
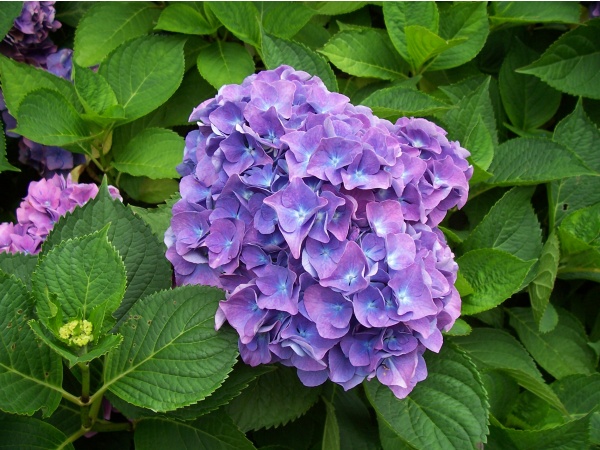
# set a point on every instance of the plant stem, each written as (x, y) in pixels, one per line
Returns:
(86, 417)
(72, 438)
(109, 426)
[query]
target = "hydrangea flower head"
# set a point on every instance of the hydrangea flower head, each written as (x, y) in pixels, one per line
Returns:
(319, 220)
(46, 202)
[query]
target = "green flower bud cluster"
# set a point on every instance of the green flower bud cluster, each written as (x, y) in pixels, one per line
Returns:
(77, 332)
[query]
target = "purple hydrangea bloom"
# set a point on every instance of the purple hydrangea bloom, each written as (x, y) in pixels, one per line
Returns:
(320, 222)
(594, 9)
(46, 202)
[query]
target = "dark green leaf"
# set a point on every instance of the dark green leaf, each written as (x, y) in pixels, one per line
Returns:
(147, 190)
(107, 25)
(528, 12)
(565, 196)
(225, 63)
(272, 400)
(243, 20)
(533, 161)
(159, 218)
(528, 102)
(28, 433)
(144, 73)
(93, 91)
(448, 410)
(171, 355)
(580, 230)
(562, 351)
(502, 392)
(71, 13)
(8, 13)
(334, 8)
(20, 265)
(511, 225)
(30, 374)
(331, 432)
(4, 164)
(398, 101)
(579, 393)
(366, 52)
(494, 275)
(493, 349)
(186, 18)
(543, 283)
(357, 429)
(572, 63)
(278, 51)
(284, 19)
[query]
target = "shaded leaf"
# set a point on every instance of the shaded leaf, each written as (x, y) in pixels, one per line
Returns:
(224, 63)
(543, 283)
(242, 21)
(27, 433)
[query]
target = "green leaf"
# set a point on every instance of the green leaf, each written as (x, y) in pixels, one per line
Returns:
(584, 265)
(571, 64)
(186, 18)
(448, 410)
(494, 275)
(331, 432)
(424, 44)
(400, 15)
(398, 101)
(171, 355)
(272, 400)
(278, 51)
(562, 351)
(103, 346)
(472, 120)
(502, 391)
(20, 265)
(144, 73)
(147, 190)
(511, 225)
(93, 90)
(4, 164)
(461, 20)
(578, 133)
(533, 161)
(579, 393)
(8, 13)
(357, 430)
(215, 431)
(242, 21)
(225, 63)
(147, 268)
(313, 35)
(108, 25)
(71, 13)
(543, 283)
(159, 218)
(334, 8)
(365, 52)
(284, 19)
(30, 373)
(528, 102)
(580, 230)
(565, 196)
(61, 126)
(154, 153)
(460, 328)
(28, 433)
(492, 349)
(526, 12)
(19, 80)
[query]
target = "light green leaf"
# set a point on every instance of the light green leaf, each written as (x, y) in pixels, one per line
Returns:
(107, 25)
(460, 328)
(278, 51)
(8, 13)
(527, 12)
(4, 164)
(154, 153)
(493, 349)
(423, 44)
(528, 102)
(313, 35)
(580, 230)
(103, 346)
(511, 225)
(61, 126)
(186, 18)
(147, 268)
(93, 90)
(523, 161)
(215, 431)
(448, 410)
(30, 374)
(366, 52)
(331, 432)
(565, 196)
(398, 101)
(562, 351)
(578, 133)
(147, 190)
(284, 19)
(171, 355)
(400, 15)
(29, 433)
(473, 110)
(243, 20)
(20, 265)
(272, 400)
(86, 275)
(19, 79)
(334, 8)
(144, 73)
(461, 20)
(572, 64)
(543, 283)
(224, 63)
(494, 275)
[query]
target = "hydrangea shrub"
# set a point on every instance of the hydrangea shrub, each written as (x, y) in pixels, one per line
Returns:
(320, 219)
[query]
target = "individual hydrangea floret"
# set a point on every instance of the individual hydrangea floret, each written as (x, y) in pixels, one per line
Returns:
(319, 220)
(46, 202)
